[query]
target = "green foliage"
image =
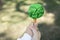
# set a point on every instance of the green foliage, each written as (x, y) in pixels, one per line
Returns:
(35, 11)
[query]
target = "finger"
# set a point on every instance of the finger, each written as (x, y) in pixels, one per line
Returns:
(35, 24)
(30, 25)
(39, 34)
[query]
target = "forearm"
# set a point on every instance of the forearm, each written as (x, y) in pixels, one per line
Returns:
(36, 36)
(26, 36)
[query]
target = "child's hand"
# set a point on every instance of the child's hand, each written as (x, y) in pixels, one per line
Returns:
(34, 32)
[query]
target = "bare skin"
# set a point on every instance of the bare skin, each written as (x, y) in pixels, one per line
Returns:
(33, 31)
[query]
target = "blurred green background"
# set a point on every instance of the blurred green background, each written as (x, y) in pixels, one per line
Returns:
(14, 12)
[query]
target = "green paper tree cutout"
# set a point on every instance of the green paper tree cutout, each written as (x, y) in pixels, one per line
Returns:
(36, 11)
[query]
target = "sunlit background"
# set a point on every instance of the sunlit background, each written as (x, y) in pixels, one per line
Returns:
(14, 19)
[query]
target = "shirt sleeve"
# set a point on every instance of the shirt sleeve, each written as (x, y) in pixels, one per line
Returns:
(26, 36)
